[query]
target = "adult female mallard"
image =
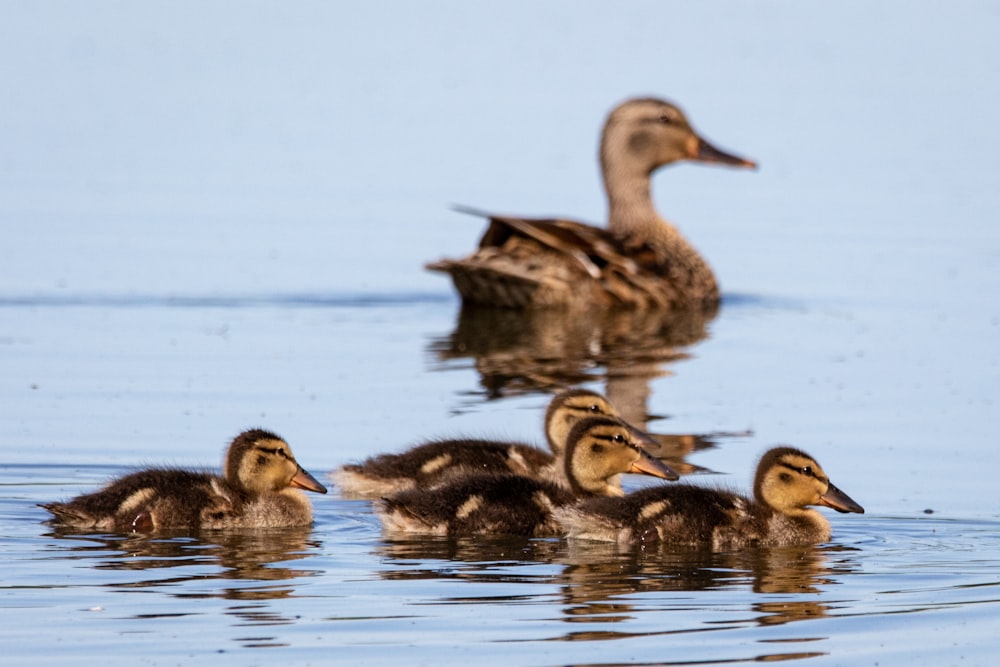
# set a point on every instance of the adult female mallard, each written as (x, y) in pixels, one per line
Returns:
(598, 449)
(259, 489)
(787, 482)
(639, 261)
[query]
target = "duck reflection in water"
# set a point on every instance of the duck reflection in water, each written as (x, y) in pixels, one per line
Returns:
(601, 582)
(605, 583)
(179, 559)
(518, 352)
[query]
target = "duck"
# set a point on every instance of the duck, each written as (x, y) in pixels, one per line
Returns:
(787, 483)
(260, 488)
(598, 450)
(640, 261)
(432, 463)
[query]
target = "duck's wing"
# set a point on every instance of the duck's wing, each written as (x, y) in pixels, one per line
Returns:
(522, 256)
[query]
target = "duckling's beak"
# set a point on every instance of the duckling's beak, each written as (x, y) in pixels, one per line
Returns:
(700, 150)
(840, 501)
(647, 465)
(646, 442)
(303, 480)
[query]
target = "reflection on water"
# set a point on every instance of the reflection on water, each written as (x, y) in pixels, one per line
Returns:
(604, 583)
(182, 565)
(517, 352)
(539, 351)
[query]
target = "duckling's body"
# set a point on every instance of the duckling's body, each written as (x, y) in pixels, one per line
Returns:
(437, 462)
(639, 261)
(787, 481)
(260, 489)
(598, 450)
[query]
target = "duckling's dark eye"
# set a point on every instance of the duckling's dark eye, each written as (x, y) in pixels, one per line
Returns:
(595, 408)
(664, 118)
(618, 437)
(807, 470)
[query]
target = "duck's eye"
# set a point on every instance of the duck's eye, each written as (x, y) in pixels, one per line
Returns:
(595, 408)
(619, 438)
(665, 118)
(807, 470)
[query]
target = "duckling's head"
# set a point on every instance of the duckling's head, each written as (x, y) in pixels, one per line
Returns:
(788, 480)
(600, 448)
(567, 409)
(643, 134)
(259, 461)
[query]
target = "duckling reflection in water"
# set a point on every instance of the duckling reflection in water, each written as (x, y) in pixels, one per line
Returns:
(639, 261)
(787, 482)
(598, 449)
(259, 489)
(436, 462)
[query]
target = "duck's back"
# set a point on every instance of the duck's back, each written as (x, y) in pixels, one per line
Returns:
(680, 514)
(154, 498)
(544, 263)
(483, 504)
(434, 463)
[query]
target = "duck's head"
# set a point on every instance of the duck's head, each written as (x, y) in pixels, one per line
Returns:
(599, 448)
(567, 409)
(788, 480)
(259, 461)
(643, 134)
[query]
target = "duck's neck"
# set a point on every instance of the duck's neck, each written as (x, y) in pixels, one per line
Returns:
(631, 213)
(633, 219)
(799, 526)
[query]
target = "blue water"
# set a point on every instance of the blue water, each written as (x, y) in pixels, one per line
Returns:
(217, 218)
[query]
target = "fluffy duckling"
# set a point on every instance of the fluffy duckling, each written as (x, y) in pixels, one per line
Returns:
(639, 261)
(435, 462)
(787, 481)
(259, 489)
(598, 449)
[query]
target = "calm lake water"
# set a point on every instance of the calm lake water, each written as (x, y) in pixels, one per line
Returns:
(215, 220)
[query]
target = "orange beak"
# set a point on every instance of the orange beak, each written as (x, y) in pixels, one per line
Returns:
(702, 151)
(647, 465)
(303, 480)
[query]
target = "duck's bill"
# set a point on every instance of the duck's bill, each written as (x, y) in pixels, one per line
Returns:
(646, 442)
(836, 499)
(647, 465)
(706, 152)
(303, 480)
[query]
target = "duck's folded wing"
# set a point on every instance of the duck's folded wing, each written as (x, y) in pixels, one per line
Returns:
(627, 275)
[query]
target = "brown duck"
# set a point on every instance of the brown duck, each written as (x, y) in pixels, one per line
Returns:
(432, 463)
(259, 489)
(639, 261)
(787, 482)
(598, 449)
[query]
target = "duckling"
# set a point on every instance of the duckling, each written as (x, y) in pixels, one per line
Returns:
(639, 261)
(787, 481)
(259, 489)
(598, 450)
(432, 463)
